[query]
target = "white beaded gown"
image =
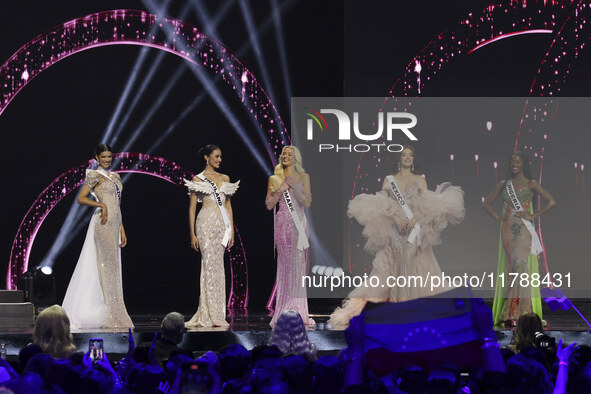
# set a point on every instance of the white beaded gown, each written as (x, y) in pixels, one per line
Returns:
(94, 297)
(210, 229)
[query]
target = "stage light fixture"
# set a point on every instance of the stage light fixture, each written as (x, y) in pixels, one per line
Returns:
(46, 269)
(38, 286)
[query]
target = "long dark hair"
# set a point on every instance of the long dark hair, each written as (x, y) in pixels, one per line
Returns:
(525, 333)
(102, 148)
(526, 168)
(416, 166)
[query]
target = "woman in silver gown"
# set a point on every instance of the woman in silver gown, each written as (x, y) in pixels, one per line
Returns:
(212, 232)
(95, 294)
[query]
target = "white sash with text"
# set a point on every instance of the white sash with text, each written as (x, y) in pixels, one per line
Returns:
(536, 245)
(416, 230)
(218, 199)
(302, 238)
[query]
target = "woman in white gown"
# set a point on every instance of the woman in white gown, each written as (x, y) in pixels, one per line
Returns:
(401, 223)
(94, 297)
(213, 233)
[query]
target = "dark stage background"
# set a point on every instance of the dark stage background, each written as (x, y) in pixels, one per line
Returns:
(351, 48)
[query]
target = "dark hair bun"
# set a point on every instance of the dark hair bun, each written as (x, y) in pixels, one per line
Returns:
(102, 148)
(207, 150)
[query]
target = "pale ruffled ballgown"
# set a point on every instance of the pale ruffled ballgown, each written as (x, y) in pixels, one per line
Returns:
(394, 256)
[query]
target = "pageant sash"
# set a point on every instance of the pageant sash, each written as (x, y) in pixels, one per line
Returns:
(218, 199)
(536, 245)
(416, 230)
(302, 238)
(104, 173)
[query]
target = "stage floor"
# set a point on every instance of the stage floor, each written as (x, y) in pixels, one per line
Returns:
(251, 328)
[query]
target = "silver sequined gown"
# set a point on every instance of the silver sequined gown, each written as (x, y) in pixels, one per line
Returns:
(210, 232)
(106, 238)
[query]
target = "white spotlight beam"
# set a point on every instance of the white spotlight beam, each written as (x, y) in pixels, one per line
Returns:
(146, 81)
(129, 85)
(219, 100)
(204, 18)
(253, 36)
(159, 101)
(212, 24)
(282, 52)
(172, 127)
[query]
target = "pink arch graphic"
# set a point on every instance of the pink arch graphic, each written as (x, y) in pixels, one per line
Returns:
(131, 27)
(72, 179)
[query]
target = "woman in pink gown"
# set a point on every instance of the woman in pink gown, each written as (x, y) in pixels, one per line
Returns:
(290, 186)
(401, 242)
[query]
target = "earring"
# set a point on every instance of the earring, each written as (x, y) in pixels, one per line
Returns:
(412, 168)
(398, 166)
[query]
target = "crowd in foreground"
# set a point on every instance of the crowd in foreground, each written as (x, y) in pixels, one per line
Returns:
(289, 364)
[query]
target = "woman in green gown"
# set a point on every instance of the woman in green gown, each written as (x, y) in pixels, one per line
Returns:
(519, 244)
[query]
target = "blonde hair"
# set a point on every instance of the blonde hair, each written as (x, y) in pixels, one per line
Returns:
(296, 158)
(52, 332)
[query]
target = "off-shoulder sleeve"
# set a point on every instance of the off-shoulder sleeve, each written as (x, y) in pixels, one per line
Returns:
(436, 210)
(198, 187)
(229, 189)
(92, 178)
(375, 212)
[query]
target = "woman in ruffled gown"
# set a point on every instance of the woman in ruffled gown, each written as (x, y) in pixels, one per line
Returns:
(290, 183)
(213, 233)
(518, 247)
(401, 240)
(94, 297)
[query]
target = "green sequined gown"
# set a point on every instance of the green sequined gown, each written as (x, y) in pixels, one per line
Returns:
(514, 256)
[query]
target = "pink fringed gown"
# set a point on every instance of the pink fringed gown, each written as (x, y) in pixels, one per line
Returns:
(292, 263)
(394, 256)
